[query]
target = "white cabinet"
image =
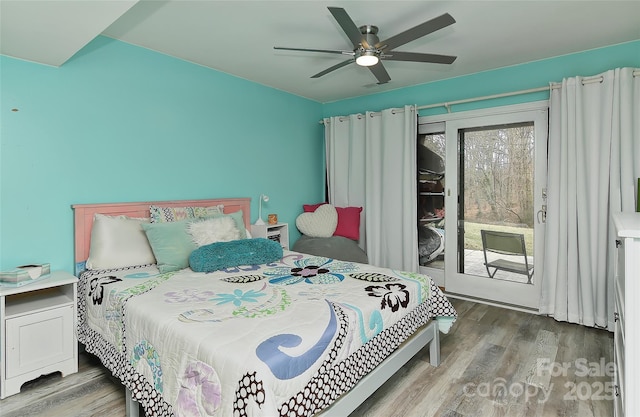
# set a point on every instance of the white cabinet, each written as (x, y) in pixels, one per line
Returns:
(278, 232)
(627, 315)
(39, 322)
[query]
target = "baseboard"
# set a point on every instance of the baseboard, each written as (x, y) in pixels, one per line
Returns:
(492, 303)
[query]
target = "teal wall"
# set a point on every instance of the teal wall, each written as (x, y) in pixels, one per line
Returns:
(515, 78)
(121, 123)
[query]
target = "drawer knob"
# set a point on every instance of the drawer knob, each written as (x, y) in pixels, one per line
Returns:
(616, 316)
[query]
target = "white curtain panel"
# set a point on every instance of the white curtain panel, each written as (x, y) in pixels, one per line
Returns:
(345, 147)
(593, 163)
(371, 163)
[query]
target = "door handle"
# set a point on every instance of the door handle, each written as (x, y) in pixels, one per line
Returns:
(541, 215)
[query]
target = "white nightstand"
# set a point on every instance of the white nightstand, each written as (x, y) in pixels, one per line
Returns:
(278, 232)
(39, 322)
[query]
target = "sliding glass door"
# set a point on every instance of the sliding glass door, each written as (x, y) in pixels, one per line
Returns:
(496, 176)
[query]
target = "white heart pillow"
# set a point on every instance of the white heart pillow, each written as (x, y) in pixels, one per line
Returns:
(320, 223)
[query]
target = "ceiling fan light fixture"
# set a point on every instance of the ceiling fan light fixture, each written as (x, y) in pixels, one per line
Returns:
(367, 59)
(369, 51)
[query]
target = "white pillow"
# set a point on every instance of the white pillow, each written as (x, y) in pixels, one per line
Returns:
(320, 223)
(218, 229)
(118, 241)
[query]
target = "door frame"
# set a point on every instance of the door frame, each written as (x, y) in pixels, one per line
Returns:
(500, 291)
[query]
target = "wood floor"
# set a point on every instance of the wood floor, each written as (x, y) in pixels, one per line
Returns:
(495, 362)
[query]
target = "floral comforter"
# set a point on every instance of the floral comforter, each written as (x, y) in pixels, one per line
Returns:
(280, 339)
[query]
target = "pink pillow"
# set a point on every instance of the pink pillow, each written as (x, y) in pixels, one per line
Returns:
(348, 220)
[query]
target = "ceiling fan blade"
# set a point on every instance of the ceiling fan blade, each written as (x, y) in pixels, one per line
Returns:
(328, 51)
(333, 68)
(380, 73)
(418, 57)
(416, 32)
(348, 26)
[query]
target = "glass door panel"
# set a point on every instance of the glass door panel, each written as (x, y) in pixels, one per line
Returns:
(496, 171)
(431, 199)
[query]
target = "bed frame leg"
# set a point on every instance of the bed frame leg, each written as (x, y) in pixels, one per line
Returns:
(434, 347)
(131, 406)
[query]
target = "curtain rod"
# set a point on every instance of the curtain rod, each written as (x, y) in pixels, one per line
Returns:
(448, 104)
(371, 114)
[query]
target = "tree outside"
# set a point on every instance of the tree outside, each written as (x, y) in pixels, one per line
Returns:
(497, 178)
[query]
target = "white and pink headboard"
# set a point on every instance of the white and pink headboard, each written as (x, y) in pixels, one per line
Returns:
(84, 213)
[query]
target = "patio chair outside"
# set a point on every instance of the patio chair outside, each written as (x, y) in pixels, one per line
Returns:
(505, 243)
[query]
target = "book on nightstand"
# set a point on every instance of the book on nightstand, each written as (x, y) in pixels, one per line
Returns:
(25, 274)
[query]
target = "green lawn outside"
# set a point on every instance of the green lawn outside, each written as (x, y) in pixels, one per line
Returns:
(473, 240)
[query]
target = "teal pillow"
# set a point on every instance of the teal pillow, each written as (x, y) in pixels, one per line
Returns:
(171, 244)
(221, 255)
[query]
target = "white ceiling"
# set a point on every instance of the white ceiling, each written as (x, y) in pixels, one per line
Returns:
(237, 37)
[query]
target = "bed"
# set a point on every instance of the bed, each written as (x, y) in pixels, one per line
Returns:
(296, 336)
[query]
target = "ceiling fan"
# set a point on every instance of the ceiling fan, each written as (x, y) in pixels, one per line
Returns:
(368, 50)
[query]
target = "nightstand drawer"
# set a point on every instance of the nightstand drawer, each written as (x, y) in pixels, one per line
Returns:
(39, 339)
